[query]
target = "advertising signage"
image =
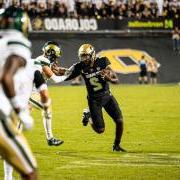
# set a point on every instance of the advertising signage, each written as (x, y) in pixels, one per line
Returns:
(73, 24)
(151, 24)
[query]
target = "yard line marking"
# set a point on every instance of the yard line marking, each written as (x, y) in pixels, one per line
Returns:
(131, 160)
(79, 164)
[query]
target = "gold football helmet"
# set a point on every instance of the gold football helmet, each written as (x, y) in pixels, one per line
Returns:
(86, 53)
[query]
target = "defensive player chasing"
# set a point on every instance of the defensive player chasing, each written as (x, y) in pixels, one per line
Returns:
(15, 72)
(96, 73)
(51, 51)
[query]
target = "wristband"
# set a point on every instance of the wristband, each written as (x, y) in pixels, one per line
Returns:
(14, 102)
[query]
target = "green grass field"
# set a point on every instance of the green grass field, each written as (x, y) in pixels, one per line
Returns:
(151, 136)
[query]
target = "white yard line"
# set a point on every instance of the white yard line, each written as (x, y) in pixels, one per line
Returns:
(77, 164)
(131, 160)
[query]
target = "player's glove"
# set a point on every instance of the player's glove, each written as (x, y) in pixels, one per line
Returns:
(26, 119)
(23, 115)
(105, 74)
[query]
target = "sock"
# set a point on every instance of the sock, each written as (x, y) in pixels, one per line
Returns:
(90, 121)
(47, 121)
(8, 171)
(86, 110)
(116, 142)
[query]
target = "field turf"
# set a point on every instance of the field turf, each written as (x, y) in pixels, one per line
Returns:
(151, 137)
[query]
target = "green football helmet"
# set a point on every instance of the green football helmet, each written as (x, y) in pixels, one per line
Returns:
(52, 50)
(14, 18)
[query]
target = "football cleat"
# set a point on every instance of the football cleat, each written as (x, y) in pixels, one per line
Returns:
(118, 148)
(54, 142)
(86, 116)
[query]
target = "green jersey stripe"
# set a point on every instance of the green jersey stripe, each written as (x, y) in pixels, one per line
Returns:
(18, 43)
(35, 103)
(42, 63)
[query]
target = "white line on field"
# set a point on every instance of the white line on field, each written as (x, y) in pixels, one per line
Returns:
(78, 164)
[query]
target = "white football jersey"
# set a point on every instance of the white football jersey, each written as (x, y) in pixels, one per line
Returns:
(41, 61)
(13, 42)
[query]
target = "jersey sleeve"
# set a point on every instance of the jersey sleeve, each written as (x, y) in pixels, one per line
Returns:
(42, 61)
(105, 62)
(38, 79)
(20, 47)
(74, 71)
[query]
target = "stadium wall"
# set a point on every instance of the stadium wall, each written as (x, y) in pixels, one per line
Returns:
(156, 45)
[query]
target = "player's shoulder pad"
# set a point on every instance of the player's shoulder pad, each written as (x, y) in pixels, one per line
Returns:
(79, 64)
(19, 41)
(103, 61)
(17, 44)
(102, 58)
(41, 60)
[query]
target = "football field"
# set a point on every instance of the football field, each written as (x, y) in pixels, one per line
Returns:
(151, 136)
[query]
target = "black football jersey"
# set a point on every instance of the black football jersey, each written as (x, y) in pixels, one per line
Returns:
(95, 84)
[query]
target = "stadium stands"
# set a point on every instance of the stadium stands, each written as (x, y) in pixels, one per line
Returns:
(108, 24)
(99, 8)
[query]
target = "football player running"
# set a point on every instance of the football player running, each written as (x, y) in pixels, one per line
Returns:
(15, 72)
(42, 89)
(96, 73)
(51, 52)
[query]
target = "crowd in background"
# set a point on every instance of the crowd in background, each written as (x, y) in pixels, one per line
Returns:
(98, 8)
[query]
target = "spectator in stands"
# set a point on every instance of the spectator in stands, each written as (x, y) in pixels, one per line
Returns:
(176, 39)
(83, 10)
(110, 8)
(59, 10)
(102, 11)
(154, 10)
(143, 70)
(120, 11)
(42, 9)
(50, 11)
(32, 10)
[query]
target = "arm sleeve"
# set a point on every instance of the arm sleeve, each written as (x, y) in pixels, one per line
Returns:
(73, 71)
(58, 79)
(107, 62)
